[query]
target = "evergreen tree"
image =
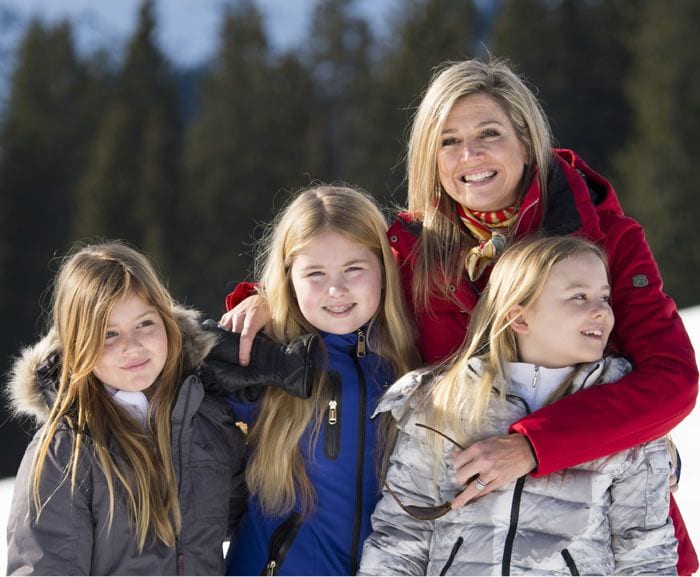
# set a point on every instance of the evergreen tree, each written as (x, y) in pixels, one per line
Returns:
(298, 153)
(8, 21)
(658, 167)
(252, 139)
(576, 54)
(340, 56)
(42, 143)
(130, 184)
(525, 32)
(424, 34)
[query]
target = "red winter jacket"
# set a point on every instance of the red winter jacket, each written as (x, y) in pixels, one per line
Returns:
(596, 422)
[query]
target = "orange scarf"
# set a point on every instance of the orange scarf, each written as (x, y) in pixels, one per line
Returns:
(491, 242)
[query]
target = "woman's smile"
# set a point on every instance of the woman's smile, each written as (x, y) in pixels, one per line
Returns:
(481, 161)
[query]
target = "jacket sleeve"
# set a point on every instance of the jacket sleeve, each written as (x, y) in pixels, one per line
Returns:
(238, 501)
(60, 541)
(242, 291)
(399, 544)
(653, 398)
(643, 538)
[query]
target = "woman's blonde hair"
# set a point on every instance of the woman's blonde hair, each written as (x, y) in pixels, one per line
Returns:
(276, 471)
(443, 239)
(87, 287)
(459, 398)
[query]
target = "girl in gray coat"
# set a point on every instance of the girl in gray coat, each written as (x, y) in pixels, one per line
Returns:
(538, 333)
(138, 467)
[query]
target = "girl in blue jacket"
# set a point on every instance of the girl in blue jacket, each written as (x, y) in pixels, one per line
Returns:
(312, 473)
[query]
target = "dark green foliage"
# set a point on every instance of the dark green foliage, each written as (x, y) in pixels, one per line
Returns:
(252, 140)
(130, 182)
(339, 54)
(576, 53)
(42, 146)
(188, 164)
(421, 37)
(43, 139)
(658, 176)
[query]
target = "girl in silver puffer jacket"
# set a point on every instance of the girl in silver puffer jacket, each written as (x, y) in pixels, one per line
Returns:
(538, 333)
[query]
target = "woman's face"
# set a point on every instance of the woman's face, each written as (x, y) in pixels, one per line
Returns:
(481, 161)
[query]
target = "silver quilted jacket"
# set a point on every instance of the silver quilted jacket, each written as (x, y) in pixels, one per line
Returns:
(608, 516)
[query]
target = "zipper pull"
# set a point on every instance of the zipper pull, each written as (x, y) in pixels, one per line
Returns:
(270, 567)
(361, 344)
(536, 376)
(332, 412)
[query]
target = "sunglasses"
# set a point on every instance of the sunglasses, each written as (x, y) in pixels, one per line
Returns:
(425, 513)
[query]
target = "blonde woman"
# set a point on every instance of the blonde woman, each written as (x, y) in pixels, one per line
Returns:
(137, 467)
(326, 268)
(538, 334)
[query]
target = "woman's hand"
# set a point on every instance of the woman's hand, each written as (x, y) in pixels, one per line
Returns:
(496, 462)
(248, 317)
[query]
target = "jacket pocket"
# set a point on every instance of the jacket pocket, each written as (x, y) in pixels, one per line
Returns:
(570, 563)
(659, 468)
(452, 556)
(331, 434)
(280, 542)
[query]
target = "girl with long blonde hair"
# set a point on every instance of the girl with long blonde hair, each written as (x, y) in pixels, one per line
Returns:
(326, 267)
(138, 466)
(538, 334)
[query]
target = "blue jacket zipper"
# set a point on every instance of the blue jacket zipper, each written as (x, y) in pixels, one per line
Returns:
(360, 469)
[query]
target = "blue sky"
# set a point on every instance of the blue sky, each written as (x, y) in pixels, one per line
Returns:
(188, 29)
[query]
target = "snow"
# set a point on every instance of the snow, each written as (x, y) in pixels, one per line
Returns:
(685, 437)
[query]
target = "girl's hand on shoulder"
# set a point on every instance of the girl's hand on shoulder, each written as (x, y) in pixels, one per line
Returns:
(248, 318)
(491, 464)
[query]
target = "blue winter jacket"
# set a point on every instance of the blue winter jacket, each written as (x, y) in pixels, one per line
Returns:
(343, 472)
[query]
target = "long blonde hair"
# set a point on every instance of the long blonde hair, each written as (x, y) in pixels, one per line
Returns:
(88, 285)
(276, 471)
(443, 240)
(458, 399)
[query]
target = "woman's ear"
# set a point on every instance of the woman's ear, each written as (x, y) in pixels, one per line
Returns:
(518, 321)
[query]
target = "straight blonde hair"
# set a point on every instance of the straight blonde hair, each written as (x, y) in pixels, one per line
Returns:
(459, 398)
(443, 241)
(276, 471)
(87, 287)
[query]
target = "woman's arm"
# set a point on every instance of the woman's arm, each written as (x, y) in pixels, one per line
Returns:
(59, 542)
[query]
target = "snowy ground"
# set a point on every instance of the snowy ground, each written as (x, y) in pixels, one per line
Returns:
(685, 436)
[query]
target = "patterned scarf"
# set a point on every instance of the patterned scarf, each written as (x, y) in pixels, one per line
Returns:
(491, 242)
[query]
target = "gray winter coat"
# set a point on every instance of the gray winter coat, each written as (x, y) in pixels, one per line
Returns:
(608, 516)
(73, 536)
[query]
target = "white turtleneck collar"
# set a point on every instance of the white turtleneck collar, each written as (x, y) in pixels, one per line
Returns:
(134, 402)
(535, 383)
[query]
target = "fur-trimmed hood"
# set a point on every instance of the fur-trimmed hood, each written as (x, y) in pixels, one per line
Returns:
(31, 395)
